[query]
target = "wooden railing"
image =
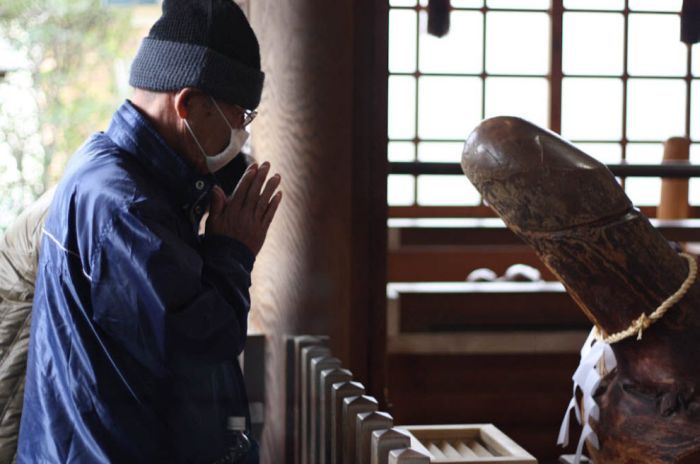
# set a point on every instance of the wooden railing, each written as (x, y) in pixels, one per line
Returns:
(332, 419)
(483, 318)
(447, 249)
(666, 169)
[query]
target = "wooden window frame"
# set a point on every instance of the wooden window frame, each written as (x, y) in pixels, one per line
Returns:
(555, 77)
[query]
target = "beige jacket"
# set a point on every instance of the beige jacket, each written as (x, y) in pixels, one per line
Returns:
(19, 253)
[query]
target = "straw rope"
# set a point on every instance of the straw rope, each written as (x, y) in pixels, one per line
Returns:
(643, 322)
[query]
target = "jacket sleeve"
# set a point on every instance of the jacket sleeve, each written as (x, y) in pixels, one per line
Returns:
(161, 298)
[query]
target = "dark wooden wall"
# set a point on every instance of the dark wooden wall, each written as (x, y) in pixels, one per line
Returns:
(322, 125)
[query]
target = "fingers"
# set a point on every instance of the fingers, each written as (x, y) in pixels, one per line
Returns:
(240, 193)
(256, 186)
(218, 200)
(249, 202)
(264, 200)
(272, 209)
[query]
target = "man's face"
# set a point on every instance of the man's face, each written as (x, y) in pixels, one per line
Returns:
(206, 121)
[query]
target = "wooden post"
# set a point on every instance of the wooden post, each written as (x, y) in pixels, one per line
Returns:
(318, 365)
(384, 441)
(352, 406)
(295, 344)
(674, 192)
(365, 424)
(307, 354)
(340, 391)
(318, 274)
(329, 377)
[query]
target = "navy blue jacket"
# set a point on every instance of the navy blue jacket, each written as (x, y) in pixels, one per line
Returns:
(137, 320)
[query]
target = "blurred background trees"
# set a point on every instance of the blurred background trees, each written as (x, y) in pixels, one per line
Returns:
(65, 66)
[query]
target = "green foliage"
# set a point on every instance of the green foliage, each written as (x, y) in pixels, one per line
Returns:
(71, 48)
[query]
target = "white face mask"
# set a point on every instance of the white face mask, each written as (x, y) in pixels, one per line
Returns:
(236, 142)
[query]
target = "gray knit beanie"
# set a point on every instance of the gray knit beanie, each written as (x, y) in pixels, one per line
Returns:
(206, 44)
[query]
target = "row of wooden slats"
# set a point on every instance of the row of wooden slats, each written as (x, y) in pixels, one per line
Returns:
(330, 419)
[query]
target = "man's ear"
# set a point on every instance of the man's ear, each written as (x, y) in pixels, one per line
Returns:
(182, 101)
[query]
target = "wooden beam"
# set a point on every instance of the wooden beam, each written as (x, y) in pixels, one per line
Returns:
(492, 231)
(482, 306)
(482, 211)
(454, 263)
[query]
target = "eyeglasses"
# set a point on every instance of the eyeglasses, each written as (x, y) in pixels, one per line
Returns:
(248, 116)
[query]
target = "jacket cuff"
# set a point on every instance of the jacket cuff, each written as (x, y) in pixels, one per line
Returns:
(221, 247)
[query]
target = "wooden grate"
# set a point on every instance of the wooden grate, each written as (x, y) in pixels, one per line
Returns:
(466, 443)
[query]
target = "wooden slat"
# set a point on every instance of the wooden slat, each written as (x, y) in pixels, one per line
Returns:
(365, 424)
(478, 448)
(404, 232)
(465, 451)
(353, 406)
(449, 451)
(318, 366)
(308, 354)
(556, 72)
(478, 342)
(295, 347)
(340, 391)
(440, 211)
(435, 451)
(482, 211)
(449, 231)
(666, 169)
(454, 263)
(383, 441)
(328, 379)
(461, 306)
(479, 318)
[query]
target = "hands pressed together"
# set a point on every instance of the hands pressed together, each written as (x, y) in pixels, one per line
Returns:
(246, 215)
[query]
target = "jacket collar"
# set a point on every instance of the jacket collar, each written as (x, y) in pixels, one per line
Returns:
(133, 133)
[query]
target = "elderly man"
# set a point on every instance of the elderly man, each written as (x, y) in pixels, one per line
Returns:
(137, 319)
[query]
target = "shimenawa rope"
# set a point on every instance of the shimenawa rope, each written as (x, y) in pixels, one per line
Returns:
(643, 322)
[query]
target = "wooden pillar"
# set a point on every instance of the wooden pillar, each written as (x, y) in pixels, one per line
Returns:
(365, 424)
(339, 392)
(674, 192)
(383, 441)
(328, 379)
(322, 125)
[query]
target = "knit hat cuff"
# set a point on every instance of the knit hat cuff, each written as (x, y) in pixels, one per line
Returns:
(165, 66)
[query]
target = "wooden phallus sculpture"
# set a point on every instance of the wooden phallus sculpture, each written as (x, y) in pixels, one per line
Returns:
(572, 211)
